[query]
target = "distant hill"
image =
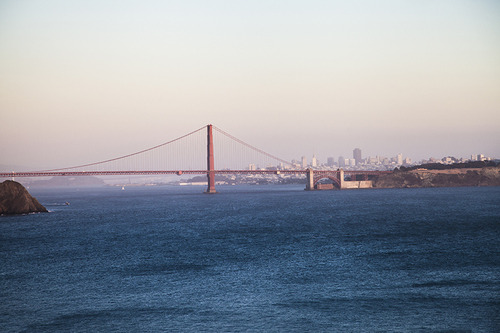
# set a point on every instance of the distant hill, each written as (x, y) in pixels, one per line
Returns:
(441, 166)
(450, 177)
(79, 181)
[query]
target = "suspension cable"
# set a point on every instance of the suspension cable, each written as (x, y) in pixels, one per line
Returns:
(252, 147)
(129, 155)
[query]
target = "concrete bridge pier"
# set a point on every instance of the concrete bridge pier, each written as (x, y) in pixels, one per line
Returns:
(310, 180)
(341, 178)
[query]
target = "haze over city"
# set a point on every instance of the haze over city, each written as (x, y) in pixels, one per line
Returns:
(82, 81)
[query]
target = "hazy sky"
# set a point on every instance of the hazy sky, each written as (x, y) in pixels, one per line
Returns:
(82, 81)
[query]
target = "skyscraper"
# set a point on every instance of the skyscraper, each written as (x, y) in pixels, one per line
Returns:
(304, 162)
(314, 162)
(341, 161)
(399, 159)
(356, 154)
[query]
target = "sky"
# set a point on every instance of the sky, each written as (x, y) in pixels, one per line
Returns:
(83, 81)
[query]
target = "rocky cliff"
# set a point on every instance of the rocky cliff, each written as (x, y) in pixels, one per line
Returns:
(489, 176)
(15, 199)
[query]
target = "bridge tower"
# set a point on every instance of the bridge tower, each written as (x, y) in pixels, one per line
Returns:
(210, 161)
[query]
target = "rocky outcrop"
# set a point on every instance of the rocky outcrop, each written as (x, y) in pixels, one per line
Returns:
(15, 199)
(489, 176)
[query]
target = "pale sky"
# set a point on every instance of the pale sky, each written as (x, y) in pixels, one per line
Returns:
(82, 81)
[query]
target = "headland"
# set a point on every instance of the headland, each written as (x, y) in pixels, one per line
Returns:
(438, 175)
(15, 199)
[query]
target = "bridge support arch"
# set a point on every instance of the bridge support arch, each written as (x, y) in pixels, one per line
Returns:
(313, 179)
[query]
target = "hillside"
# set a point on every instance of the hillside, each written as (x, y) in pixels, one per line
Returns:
(15, 199)
(488, 176)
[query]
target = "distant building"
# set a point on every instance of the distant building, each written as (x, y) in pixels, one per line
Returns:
(330, 161)
(352, 161)
(304, 162)
(447, 160)
(373, 160)
(399, 159)
(251, 166)
(341, 161)
(356, 154)
(314, 162)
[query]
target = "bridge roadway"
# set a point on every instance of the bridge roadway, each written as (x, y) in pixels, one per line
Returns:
(177, 172)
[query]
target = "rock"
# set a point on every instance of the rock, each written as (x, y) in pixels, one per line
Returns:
(15, 199)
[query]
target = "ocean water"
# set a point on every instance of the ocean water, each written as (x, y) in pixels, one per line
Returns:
(254, 259)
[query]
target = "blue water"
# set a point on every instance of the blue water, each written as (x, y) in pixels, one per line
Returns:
(253, 258)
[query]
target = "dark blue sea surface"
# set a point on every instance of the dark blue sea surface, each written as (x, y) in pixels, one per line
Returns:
(253, 258)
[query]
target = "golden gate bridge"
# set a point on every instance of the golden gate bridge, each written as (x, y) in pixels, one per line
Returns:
(207, 150)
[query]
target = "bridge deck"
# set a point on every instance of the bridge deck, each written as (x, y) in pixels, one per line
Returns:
(175, 172)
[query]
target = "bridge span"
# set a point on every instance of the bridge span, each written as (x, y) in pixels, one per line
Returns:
(341, 179)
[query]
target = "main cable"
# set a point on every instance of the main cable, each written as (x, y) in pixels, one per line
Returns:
(252, 147)
(129, 155)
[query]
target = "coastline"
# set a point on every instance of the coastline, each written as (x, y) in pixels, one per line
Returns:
(470, 177)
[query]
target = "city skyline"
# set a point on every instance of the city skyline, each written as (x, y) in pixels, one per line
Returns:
(84, 81)
(399, 159)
